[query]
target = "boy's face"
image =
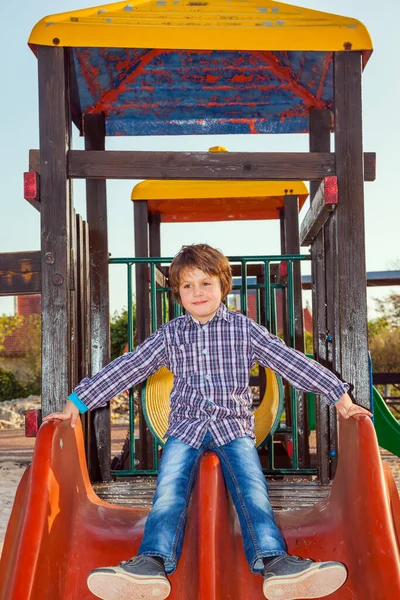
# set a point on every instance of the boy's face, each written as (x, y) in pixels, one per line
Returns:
(200, 294)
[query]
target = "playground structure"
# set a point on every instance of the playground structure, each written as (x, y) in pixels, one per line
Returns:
(309, 66)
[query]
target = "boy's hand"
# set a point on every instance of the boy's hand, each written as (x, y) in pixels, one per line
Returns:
(346, 407)
(70, 411)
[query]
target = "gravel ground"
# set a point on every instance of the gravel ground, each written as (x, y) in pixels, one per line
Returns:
(10, 475)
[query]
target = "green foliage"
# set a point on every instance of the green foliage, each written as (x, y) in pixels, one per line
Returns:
(7, 326)
(308, 342)
(9, 386)
(32, 348)
(384, 336)
(377, 326)
(119, 332)
(385, 351)
(390, 309)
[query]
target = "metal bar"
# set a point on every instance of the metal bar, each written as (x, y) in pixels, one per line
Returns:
(239, 259)
(295, 440)
(291, 304)
(131, 391)
(267, 287)
(153, 298)
(243, 295)
(290, 472)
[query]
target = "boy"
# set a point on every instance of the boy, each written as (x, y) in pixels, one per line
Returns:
(210, 351)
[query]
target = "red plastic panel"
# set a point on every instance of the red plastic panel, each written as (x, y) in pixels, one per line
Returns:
(59, 529)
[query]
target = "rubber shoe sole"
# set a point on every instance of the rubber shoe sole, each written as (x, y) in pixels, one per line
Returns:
(314, 583)
(118, 585)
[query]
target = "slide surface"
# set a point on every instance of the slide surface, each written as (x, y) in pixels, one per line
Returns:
(59, 529)
(386, 425)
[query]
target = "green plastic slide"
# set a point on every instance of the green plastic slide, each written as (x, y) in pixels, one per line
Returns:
(386, 425)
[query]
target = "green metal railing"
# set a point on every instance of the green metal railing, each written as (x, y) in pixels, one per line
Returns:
(268, 290)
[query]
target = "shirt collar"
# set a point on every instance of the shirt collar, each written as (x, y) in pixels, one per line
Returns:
(221, 313)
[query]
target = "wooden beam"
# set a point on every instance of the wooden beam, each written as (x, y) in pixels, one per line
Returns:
(292, 246)
(123, 164)
(96, 214)
(55, 136)
(155, 250)
(352, 299)
(20, 273)
(140, 210)
(323, 204)
(319, 141)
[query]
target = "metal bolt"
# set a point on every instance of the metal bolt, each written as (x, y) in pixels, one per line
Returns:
(58, 279)
(49, 258)
(56, 41)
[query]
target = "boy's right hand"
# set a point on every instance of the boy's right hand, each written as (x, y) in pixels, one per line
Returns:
(70, 411)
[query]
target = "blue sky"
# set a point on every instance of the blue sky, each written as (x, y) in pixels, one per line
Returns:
(20, 223)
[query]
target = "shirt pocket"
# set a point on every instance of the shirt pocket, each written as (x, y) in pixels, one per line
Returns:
(183, 359)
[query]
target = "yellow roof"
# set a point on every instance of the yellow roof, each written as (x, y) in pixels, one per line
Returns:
(204, 189)
(200, 201)
(204, 25)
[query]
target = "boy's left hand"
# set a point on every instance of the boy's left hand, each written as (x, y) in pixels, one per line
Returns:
(346, 407)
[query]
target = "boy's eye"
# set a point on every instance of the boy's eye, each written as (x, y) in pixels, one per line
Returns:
(186, 286)
(206, 283)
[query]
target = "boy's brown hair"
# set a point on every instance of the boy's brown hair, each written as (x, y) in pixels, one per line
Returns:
(200, 256)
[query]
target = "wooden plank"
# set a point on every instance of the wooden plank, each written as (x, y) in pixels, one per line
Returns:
(55, 136)
(124, 164)
(352, 299)
(155, 250)
(332, 327)
(323, 204)
(319, 141)
(73, 371)
(20, 273)
(96, 214)
(292, 246)
(140, 208)
(139, 492)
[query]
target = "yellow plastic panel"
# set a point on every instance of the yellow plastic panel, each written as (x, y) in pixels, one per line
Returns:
(203, 25)
(202, 189)
(157, 408)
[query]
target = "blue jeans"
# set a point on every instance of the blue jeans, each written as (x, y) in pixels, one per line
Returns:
(165, 525)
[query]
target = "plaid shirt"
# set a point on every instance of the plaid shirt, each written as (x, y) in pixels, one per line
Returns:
(211, 365)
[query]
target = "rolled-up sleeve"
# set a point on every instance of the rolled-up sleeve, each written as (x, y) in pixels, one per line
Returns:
(303, 373)
(123, 373)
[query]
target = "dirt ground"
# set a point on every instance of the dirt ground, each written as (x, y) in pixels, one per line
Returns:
(16, 453)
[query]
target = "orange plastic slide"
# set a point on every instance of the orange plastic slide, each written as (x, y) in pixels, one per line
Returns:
(59, 529)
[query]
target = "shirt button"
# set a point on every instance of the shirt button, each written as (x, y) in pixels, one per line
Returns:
(210, 406)
(205, 351)
(208, 377)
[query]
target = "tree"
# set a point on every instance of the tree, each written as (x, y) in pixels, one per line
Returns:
(384, 335)
(7, 326)
(390, 309)
(119, 331)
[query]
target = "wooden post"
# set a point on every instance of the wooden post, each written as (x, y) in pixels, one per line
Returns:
(55, 136)
(319, 128)
(285, 320)
(142, 310)
(352, 299)
(99, 452)
(292, 246)
(155, 250)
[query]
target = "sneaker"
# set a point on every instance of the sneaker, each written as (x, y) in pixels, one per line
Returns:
(140, 578)
(294, 578)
